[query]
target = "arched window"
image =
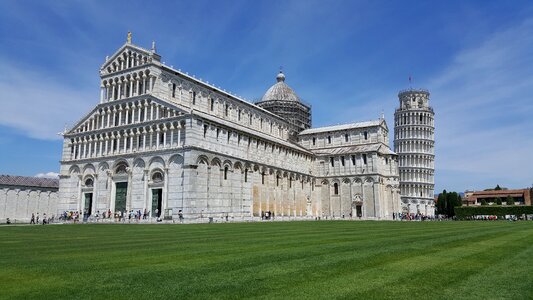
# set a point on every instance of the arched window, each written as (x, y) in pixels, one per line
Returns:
(121, 169)
(226, 173)
(335, 188)
(89, 182)
(246, 175)
(157, 177)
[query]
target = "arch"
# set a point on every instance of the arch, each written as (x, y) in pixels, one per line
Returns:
(121, 167)
(139, 162)
(369, 180)
(238, 166)
(157, 161)
(216, 162)
(175, 159)
(74, 170)
(103, 166)
(202, 159)
(228, 164)
(157, 175)
(120, 161)
(89, 169)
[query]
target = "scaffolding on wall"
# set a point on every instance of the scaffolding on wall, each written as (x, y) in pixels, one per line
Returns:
(296, 113)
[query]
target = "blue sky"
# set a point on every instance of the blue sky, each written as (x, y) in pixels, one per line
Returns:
(348, 59)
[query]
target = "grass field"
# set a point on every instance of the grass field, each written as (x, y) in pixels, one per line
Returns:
(400, 260)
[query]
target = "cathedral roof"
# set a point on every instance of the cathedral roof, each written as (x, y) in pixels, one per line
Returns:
(24, 181)
(376, 147)
(280, 91)
(343, 127)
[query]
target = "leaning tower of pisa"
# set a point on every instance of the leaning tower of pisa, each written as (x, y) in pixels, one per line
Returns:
(414, 141)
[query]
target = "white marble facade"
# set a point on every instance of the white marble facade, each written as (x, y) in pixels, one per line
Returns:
(161, 139)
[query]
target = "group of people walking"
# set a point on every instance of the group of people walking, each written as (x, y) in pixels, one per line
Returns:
(36, 219)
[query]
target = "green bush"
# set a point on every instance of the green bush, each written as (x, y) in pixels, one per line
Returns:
(500, 211)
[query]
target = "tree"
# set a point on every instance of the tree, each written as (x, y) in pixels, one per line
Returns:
(497, 188)
(498, 201)
(483, 202)
(441, 203)
(446, 203)
(509, 200)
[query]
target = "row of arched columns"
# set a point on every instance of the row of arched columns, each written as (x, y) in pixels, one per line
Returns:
(417, 161)
(128, 59)
(127, 114)
(416, 175)
(417, 190)
(141, 175)
(415, 133)
(145, 138)
(414, 146)
(130, 85)
(414, 118)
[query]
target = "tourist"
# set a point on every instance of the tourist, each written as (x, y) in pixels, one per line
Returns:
(32, 221)
(44, 218)
(37, 218)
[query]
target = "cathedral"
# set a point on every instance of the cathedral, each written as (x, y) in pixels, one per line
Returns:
(166, 143)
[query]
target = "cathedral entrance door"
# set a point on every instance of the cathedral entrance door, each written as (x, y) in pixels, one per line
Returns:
(120, 196)
(359, 211)
(88, 206)
(157, 199)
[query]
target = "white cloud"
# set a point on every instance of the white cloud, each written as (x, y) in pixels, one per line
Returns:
(39, 105)
(48, 175)
(483, 111)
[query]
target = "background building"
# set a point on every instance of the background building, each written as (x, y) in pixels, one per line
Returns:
(520, 196)
(21, 196)
(414, 142)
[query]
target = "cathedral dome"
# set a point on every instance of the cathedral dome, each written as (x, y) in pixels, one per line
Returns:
(280, 91)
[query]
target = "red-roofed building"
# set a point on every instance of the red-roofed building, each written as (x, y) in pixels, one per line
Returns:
(521, 197)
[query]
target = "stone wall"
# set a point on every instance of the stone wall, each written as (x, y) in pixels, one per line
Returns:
(18, 203)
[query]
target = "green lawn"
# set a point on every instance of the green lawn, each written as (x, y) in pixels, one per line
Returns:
(395, 260)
